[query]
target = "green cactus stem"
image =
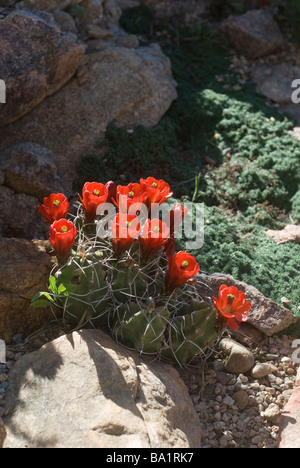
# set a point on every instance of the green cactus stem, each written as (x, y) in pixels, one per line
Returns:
(189, 335)
(141, 326)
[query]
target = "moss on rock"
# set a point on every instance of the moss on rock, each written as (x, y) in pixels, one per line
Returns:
(235, 245)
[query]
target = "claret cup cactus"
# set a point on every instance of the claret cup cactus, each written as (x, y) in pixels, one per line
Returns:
(117, 268)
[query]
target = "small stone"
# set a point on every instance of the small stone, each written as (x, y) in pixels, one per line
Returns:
(272, 413)
(130, 41)
(218, 416)
(65, 20)
(241, 399)
(3, 378)
(228, 401)
(261, 369)
(240, 359)
(95, 32)
(223, 442)
(256, 440)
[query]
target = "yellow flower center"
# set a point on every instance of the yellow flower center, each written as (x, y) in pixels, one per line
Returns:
(131, 194)
(184, 264)
(64, 229)
(156, 229)
(230, 298)
(96, 192)
(154, 185)
(56, 202)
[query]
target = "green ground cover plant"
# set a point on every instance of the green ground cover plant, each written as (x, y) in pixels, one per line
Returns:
(239, 151)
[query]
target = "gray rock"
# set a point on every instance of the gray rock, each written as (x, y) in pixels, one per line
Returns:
(130, 86)
(19, 216)
(265, 314)
(261, 369)
(272, 413)
(241, 399)
(93, 11)
(239, 359)
(254, 33)
(275, 82)
(65, 21)
(85, 391)
(44, 60)
(25, 268)
(31, 169)
(47, 5)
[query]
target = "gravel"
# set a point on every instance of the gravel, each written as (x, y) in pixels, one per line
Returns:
(243, 410)
(235, 410)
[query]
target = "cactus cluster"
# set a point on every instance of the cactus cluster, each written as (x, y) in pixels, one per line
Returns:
(138, 288)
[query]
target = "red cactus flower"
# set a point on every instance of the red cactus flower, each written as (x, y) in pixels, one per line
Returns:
(62, 237)
(173, 220)
(93, 194)
(232, 306)
(158, 190)
(125, 230)
(54, 207)
(175, 217)
(182, 268)
(131, 196)
(112, 191)
(155, 235)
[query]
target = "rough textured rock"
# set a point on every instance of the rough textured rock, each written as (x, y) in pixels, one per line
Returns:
(190, 12)
(93, 11)
(130, 86)
(44, 60)
(31, 169)
(262, 369)
(25, 268)
(266, 315)
(272, 413)
(65, 21)
(239, 358)
(291, 233)
(19, 216)
(2, 432)
(241, 399)
(85, 391)
(47, 5)
(289, 422)
(255, 33)
(275, 81)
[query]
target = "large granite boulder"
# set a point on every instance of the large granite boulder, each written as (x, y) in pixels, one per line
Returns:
(255, 33)
(25, 269)
(83, 390)
(31, 169)
(132, 86)
(36, 59)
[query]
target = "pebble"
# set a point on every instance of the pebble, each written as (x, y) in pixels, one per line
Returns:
(261, 369)
(236, 410)
(246, 405)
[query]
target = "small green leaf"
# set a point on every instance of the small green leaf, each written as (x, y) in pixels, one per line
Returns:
(62, 290)
(41, 303)
(52, 285)
(37, 297)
